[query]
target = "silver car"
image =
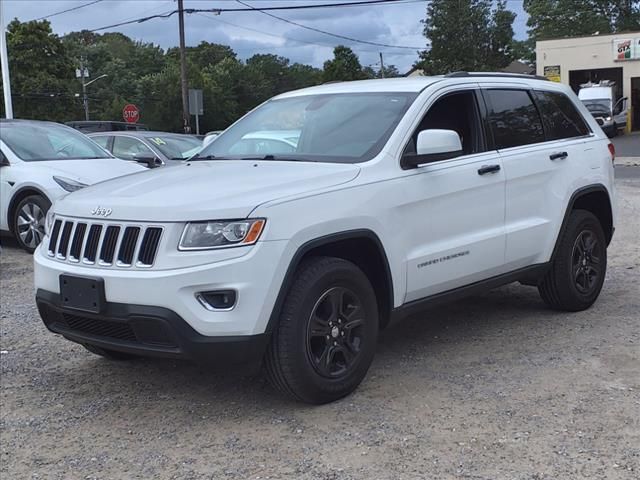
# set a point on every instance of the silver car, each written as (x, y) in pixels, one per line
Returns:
(151, 148)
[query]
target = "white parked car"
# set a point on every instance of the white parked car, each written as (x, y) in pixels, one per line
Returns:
(395, 195)
(40, 163)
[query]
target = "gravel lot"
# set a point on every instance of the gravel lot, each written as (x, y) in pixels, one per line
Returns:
(491, 387)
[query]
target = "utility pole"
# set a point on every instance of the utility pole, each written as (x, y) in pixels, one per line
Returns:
(381, 66)
(183, 72)
(4, 60)
(85, 99)
(82, 74)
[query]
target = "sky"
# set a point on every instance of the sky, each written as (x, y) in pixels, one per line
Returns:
(249, 33)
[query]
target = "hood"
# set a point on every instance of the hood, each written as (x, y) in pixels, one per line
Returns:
(204, 190)
(91, 171)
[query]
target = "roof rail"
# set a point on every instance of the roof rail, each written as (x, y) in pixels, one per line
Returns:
(494, 74)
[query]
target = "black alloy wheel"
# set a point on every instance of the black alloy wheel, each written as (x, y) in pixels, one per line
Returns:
(335, 332)
(586, 262)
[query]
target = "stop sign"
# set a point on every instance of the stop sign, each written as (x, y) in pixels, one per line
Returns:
(130, 113)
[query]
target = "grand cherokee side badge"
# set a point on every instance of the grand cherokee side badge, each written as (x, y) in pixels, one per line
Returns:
(101, 212)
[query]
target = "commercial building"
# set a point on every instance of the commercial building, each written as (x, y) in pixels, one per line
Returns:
(578, 60)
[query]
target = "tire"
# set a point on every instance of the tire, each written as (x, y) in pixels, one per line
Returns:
(578, 269)
(294, 361)
(28, 221)
(109, 354)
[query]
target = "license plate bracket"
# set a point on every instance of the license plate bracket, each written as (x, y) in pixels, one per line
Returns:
(82, 293)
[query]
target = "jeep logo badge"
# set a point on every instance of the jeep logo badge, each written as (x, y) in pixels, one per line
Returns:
(101, 212)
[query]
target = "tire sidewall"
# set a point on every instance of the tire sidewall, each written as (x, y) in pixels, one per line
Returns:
(320, 388)
(584, 221)
(38, 200)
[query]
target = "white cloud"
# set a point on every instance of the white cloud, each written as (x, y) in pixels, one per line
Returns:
(391, 24)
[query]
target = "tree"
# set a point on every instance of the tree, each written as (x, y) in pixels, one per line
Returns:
(569, 18)
(390, 71)
(467, 35)
(344, 66)
(41, 72)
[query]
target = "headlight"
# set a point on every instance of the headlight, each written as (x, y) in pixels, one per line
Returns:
(48, 222)
(608, 119)
(68, 184)
(221, 234)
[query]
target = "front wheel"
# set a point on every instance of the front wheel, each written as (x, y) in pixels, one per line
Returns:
(29, 220)
(577, 273)
(326, 337)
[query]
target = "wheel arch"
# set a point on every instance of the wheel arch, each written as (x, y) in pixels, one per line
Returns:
(17, 197)
(361, 247)
(595, 199)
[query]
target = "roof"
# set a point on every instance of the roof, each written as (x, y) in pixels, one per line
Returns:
(413, 84)
(401, 84)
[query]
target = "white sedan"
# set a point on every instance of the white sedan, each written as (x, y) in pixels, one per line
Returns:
(41, 162)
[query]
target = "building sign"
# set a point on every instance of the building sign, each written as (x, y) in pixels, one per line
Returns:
(552, 72)
(622, 49)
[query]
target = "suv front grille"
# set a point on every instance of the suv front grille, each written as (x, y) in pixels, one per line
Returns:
(104, 244)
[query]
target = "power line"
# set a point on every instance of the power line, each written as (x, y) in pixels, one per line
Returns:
(343, 37)
(262, 9)
(282, 37)
(67, 10)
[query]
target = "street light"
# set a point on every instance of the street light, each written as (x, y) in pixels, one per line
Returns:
(85, 98)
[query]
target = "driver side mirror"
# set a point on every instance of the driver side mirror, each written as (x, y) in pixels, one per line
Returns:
(4, 161)
(149, 160)
(433, 145)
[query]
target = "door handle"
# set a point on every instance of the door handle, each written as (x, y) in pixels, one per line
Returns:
(488, 169)
(558, 156)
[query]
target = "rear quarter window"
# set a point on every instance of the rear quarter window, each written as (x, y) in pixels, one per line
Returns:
(514, 118)
(561, 118)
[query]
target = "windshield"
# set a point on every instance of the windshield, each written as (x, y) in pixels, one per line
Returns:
(598, 105)
(176, 147)
(49, 141)
(339, 128)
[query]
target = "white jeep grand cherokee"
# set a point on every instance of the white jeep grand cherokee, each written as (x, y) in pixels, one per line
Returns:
(325, 212)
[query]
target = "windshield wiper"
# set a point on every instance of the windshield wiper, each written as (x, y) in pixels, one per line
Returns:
(274, 157)
(206, 157)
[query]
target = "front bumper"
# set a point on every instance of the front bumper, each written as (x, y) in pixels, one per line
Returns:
(255, 276)
(150, 331)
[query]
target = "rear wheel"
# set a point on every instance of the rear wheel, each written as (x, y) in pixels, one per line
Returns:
(576, 276)
(29, 220)
(327, 333)
(109, 354)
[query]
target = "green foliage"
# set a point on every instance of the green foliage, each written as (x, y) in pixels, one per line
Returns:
(467, 35)
(344, 66)
(569, 18)
(45, 86)
(41, 72)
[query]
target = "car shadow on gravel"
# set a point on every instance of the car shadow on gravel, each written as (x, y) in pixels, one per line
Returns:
(507, 312)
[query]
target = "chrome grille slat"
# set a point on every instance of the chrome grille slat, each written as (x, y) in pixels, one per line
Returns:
(104, 244)
(65, 237)
(127, 248)
(94, 240)
(77, 239)
(109, 244)
(53, 240)
(149, 246)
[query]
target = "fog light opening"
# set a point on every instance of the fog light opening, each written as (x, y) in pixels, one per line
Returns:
(217, 300)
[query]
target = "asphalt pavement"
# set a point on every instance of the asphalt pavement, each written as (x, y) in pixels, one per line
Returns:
(627, 145)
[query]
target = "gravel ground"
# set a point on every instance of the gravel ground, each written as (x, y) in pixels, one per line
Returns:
(492, 387)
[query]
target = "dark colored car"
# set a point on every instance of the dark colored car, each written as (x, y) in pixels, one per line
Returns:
(89, 126)
(153, 148)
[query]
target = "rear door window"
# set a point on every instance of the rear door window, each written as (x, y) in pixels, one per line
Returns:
(513, 118)
(561, 118)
